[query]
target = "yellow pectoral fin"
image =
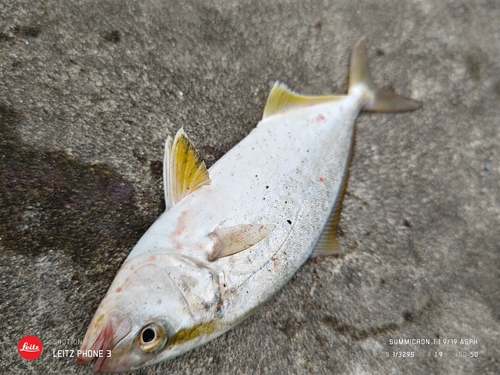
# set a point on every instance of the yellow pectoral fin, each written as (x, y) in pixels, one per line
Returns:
(183, 169)
(282, 99)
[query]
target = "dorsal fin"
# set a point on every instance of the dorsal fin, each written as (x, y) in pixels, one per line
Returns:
(183, 169)
(282, 99)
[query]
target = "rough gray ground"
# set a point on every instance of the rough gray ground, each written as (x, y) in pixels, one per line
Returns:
(90, 89)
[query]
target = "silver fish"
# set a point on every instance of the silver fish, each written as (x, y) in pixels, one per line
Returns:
(233, 235)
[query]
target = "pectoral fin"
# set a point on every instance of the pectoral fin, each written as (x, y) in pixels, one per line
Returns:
(282, 99)
(231, 240)
(183, 169)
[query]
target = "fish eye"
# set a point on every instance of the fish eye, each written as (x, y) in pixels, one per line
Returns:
(148, 334)
(152, 337)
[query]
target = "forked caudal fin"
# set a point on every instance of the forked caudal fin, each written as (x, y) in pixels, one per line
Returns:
(377, 99)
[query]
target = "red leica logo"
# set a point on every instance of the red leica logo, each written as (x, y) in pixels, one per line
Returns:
(29, 347)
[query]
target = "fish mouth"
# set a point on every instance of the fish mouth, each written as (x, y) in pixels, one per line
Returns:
(99, 342)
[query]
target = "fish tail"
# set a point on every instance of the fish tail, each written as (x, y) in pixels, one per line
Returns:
(375, 98)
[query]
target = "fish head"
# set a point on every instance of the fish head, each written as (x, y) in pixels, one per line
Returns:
(153, 311)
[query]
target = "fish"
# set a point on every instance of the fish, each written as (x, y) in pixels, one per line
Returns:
(232, 235)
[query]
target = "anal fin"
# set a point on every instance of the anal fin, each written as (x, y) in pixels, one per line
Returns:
(328, 243)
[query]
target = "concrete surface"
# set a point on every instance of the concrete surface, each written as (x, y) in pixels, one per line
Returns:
(89, 90)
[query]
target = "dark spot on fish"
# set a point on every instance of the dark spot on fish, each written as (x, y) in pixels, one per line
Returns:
(407, 316)
(289, 222)
(156, 168)
(267, 187)
(407, 223)
(113, 36)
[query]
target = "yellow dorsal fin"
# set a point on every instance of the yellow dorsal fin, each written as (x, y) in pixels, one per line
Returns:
(282, 99)
(183, 169)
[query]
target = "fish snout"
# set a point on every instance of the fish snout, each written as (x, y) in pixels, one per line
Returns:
(102, 336)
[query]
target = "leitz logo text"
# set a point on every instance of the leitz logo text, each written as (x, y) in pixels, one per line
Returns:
(29, 347)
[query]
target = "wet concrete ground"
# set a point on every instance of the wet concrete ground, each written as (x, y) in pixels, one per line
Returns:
(90, 89)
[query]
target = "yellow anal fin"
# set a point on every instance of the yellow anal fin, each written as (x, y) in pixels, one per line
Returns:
(328, 243)
(183, 169)
(233, 239)
(376, 99)
(282, 99)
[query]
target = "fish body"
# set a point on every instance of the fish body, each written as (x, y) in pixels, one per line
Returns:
(232, 236)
